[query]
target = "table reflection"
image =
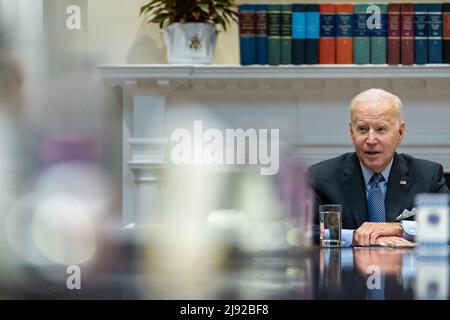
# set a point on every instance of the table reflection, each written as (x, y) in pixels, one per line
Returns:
(330, 269)
(309, 273)
(432, 277)
(382, 273)
(387, 261)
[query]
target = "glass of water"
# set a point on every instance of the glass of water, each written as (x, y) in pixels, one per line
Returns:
(330, 225)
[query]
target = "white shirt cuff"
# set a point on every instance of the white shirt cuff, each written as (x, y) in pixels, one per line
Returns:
(409, 229)
(347, 237)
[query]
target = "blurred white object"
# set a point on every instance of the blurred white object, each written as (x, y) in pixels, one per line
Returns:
(17, 226)
(57, 228)
(7, 161)
(433, 219)
(432, 279)
(63, 229)
(86, 181)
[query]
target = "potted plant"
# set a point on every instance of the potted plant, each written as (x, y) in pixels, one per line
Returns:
(189, 26)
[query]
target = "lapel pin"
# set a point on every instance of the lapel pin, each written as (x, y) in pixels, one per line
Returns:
(402, 181)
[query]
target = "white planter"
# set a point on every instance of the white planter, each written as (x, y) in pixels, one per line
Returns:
(190, 43)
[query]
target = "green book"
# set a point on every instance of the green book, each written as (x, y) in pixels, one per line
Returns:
(378, 38)
(274, 34)
(286, 34)
(361, 35)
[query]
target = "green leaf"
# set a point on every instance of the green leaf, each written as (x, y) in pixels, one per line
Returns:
(144, 8)
(204, 7)
(218, 19)
(166, 12)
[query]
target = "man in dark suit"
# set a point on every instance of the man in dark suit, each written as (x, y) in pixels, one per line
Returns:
(374, 184)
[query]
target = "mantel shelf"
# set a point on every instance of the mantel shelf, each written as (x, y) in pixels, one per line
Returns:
(264, 79)
(161, 71)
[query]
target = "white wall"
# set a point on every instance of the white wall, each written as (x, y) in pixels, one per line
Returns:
(118, 35)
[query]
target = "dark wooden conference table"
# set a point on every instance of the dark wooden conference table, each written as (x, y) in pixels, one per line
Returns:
(124, 270)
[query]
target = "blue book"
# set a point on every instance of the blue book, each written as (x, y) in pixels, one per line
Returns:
(312, 33)
(298, 34)
(261, 33)
(421, 33)
(247, 37)
(434, 33)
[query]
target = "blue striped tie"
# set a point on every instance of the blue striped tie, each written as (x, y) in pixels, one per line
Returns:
(375, 201)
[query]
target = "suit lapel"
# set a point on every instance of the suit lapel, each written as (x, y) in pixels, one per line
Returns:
(398, 186)
(354, 189)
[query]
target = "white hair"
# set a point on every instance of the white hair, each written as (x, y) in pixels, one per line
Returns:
(378, 95)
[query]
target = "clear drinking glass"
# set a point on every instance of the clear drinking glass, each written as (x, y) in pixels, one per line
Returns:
(330, 225)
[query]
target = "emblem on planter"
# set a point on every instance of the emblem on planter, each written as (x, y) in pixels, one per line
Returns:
(196, 43)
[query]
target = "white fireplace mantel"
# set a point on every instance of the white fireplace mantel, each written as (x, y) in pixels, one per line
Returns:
(137, 71)
(278, 78)
(308, 102)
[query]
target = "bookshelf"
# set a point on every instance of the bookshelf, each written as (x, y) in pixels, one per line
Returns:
(308, 103)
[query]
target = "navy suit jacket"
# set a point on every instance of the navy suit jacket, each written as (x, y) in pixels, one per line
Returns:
(340, 181)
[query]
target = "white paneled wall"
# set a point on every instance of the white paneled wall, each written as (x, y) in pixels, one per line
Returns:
(309, 105)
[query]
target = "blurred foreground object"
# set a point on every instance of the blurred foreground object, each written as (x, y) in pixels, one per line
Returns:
(297, 199)
(433, 223)
(432, 250)
(11, 78)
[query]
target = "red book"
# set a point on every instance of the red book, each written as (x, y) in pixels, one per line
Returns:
(344, 36)
(393, 33)
(327, 40)
(407, 33)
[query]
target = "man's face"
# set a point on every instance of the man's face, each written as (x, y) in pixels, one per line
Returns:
(375, 132)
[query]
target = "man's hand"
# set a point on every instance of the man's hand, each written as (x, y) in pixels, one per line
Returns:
(369, 232)
(390, 241)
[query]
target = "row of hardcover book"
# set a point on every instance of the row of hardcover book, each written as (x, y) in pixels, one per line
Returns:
(344, 33)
